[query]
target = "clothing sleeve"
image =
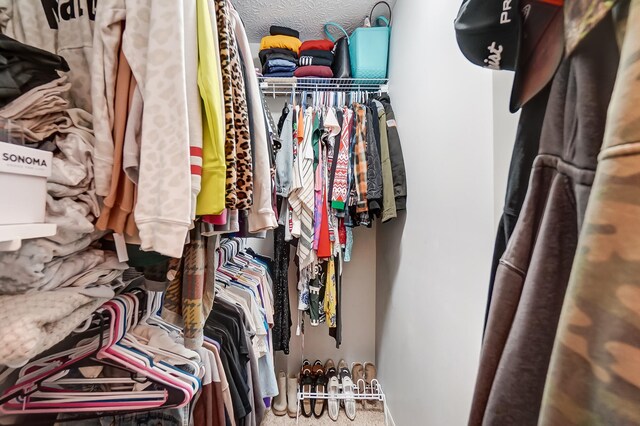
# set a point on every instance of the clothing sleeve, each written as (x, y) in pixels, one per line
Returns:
(131, 150)
(154, 44)
(194, 112)
(261, 214)
(106, 45)
(284, 157)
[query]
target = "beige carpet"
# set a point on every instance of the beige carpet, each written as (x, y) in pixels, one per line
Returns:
(368, 417)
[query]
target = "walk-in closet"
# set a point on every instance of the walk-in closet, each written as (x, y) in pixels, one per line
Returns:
(277, 212)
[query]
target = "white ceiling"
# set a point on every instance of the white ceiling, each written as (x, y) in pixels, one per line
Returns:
(306, 16)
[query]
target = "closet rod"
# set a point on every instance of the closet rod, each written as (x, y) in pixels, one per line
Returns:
(286, 85)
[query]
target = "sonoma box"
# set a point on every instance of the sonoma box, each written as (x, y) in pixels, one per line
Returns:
(23, 184)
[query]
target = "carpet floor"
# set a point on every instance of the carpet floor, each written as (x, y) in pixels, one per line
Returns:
(371, 416)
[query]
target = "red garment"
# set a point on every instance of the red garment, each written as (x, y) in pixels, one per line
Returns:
(314, 71)
(324, 242)
(316, 45)
(216, 219)
(342, 233)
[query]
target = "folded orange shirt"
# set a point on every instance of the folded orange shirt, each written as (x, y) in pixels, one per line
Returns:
(280, 42)
(317, 45)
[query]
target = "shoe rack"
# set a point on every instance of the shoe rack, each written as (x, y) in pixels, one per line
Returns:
(372, 392)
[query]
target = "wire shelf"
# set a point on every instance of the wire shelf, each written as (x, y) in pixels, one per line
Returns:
(286, 85)
(372, 392)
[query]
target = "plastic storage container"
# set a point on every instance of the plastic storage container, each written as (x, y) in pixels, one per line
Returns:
(23, 184)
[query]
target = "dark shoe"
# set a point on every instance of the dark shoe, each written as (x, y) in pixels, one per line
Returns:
(306, 386)
(320, 386)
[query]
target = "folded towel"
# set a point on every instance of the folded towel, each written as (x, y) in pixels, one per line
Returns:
(281, 42)
(314, 60)
(317, 45)
(314, 71)
(317, 53)
(277, 53)
(285, 31)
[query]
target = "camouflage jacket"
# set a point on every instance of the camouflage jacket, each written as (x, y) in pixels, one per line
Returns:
(594, 375)
(580, 17)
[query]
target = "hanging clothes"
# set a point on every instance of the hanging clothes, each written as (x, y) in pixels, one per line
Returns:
(331, 172)
(534, 271)
(525, 150)
(211, 199)
(595, 352)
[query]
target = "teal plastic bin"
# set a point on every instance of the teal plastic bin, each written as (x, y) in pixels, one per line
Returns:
(369, 51)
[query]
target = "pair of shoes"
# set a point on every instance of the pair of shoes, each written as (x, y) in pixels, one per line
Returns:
(366, 380)
(313, 380)
(333, 388)
(347, 389)
(339, 381)
(286, 402)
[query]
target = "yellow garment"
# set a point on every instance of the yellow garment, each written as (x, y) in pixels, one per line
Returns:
(211, 199)
(281, 42)
(331, 294)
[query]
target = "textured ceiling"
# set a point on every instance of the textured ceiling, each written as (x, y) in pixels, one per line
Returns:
(306, 16)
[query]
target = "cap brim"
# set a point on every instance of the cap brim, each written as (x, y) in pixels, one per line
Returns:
(541, 51)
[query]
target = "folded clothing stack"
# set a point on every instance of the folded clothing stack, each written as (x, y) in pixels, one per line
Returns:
(316, 58)
(67, 259)
(23, 67)
(279, 52)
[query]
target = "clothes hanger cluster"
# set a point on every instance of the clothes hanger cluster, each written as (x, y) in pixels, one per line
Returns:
(112, 368)
(330, 98)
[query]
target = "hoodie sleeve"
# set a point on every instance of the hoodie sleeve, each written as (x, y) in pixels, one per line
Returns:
(261, 214)
(154, 44)
(106, 42)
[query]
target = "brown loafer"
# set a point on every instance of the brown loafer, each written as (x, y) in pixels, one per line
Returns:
(357, 375)
(371, 378)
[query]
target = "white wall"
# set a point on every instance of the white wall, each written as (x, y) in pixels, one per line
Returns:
(433, 263)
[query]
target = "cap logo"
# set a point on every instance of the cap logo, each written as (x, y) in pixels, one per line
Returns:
(526, 11)
(504, 16)
(495, 56)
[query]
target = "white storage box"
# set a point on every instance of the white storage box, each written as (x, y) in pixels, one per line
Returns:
(23, 183)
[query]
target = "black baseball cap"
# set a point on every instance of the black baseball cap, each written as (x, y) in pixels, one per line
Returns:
(488, 32)
(525, 36)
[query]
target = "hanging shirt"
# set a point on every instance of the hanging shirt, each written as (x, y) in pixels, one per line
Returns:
(340, 180)
(301, 199)
(360, 159)
(211, 200)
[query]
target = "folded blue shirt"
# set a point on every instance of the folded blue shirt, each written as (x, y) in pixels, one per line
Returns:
(279, 69)
(280, 63)
(279, 74)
